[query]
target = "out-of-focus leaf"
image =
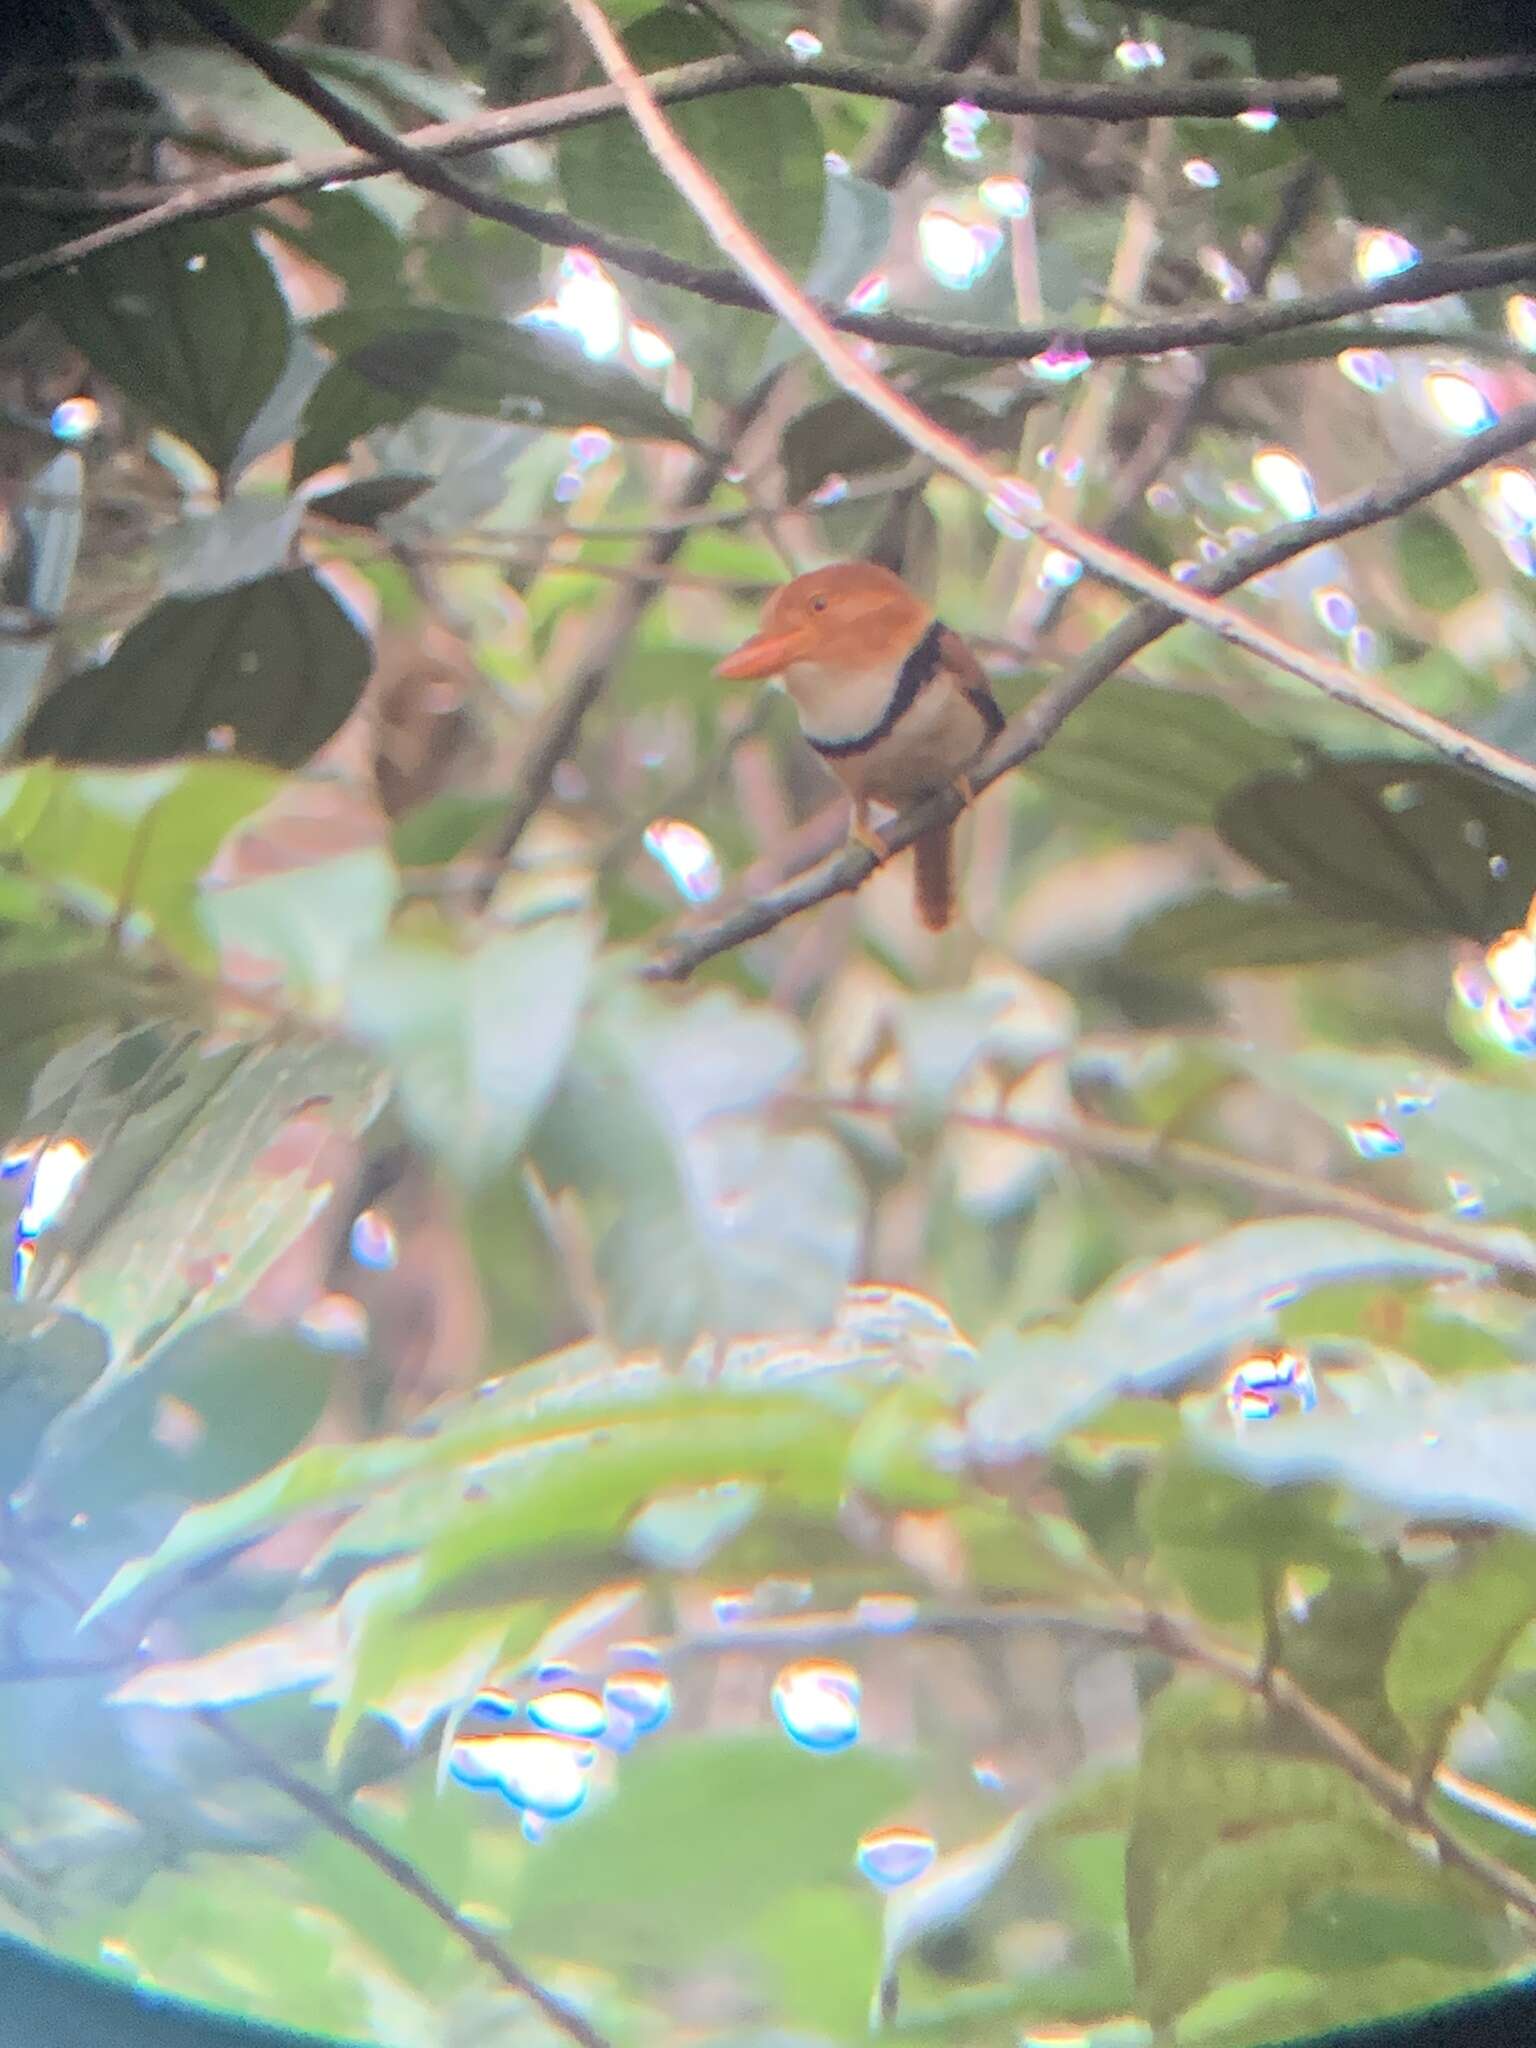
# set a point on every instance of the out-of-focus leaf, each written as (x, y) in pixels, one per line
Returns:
(1432, 561)
(880, 1335)
(477, 1037)
(282, 1658)
(372, 499)
(268, 670)
(180, 1210)
(704, 1220)
(1281, 2004)
(1462, 1451)
(244, 539)
(657, 1875)
(1156, 1323)
(394, 358)
(855, 229)
(188, 322)
(138, 842)
(309, 924)
(1225, 1540)
(946, 1892)
(765, 149)
(842, 437)
(1156, 756)
(1449, 1123)
(1419, 847)
(1456, 1636)
(1217, 933)
(46, 1361)
(35, 580)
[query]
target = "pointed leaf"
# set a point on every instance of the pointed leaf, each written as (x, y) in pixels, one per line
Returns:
(267, 670)
(188, 322)
(1456, 1636)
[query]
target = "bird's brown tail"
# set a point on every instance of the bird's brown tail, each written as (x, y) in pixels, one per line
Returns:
(936, 877)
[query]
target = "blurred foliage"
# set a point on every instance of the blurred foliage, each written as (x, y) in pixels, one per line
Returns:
(778, 1500)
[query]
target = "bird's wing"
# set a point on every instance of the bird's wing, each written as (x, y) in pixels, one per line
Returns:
(969, 674)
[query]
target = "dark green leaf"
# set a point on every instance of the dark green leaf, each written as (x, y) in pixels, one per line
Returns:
(277, 662)
(395, 358)
(367, 502)
(35, 580)
(841, 437)
(1153, 756)
(1433, 562)
(1218, 933)
(47, 1360)
(1419, 847)
(188, 322)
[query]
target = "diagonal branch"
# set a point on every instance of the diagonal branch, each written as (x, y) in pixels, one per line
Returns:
(565, 2019)
(1044, 716)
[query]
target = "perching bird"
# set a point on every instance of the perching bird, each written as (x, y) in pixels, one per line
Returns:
(893, 701)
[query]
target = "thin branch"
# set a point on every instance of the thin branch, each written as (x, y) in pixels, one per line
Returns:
(236, 191)
(1138, 1627)
(1040, 719)
(1084, 1137)
(336, 1821)
(955, 36)
(921, 432)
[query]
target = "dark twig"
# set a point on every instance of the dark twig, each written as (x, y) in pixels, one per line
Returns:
(1032, 727)
(954, 40)
(336, 1821)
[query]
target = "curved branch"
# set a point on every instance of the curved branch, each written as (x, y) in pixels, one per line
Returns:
(1032, 727)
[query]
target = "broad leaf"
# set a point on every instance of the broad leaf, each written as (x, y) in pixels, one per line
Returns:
(1464, 1451)
(1417, 847)
(1217, 933)
(1156, 1324)
(476, 1036)
(1457, 1635)
(704, 1219)
(266, 670)
(395, 358)
(188, 322)
(842, 437)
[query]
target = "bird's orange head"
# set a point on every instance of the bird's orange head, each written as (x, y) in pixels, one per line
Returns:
(851, 616)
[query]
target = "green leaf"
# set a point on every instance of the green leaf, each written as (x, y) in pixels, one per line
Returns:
(1432, 562)
(140, 841)
(312, 924)
(1449, 1123)
(841, 436)
(1456, 1636)
(1157, 1322)
(395, 358)
(1421, 847)
(200, 1172)
(35, 579)
(1462, 1451)
(657, 1877)
(367, 502)
(1156, 756)
(703, 1219)
(477, 1038)
(276, 663)
(188, 322)
(46, 1361)
(1219, 933)
(1226, 1540)
(764, 148)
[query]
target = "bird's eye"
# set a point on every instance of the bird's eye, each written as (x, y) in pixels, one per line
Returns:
(818, 604)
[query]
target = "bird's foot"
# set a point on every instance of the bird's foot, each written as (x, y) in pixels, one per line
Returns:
(862, 833)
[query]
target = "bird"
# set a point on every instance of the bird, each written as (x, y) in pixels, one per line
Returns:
(893, 701)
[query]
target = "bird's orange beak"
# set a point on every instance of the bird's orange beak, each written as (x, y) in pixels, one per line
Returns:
(765, 654)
